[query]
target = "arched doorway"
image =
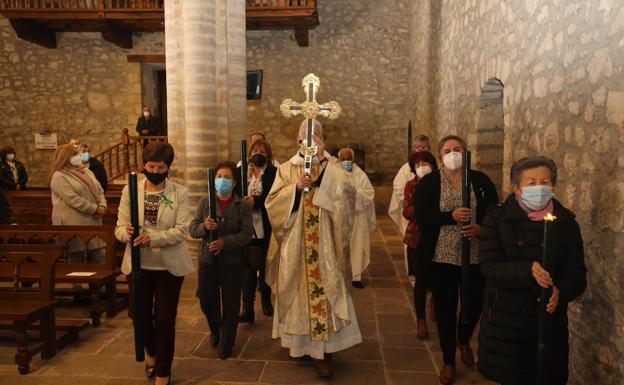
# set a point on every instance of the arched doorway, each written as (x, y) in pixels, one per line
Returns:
(490, 133)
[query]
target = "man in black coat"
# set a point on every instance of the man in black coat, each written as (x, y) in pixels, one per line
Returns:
(148, 125)
(96, 167)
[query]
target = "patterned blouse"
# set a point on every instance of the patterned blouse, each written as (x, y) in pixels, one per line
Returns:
(413, 232)
(448, 248)
(150, 213)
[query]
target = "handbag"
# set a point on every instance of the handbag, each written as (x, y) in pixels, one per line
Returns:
(255, 255)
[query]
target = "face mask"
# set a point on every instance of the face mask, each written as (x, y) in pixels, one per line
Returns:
(155, 178)
(76, 160)
(146, 114)
(423, 170)
(258, 160)
(453, 160)
(223, 186)
(347, 165)
(10, 157)
(85, 156)
(537, 197)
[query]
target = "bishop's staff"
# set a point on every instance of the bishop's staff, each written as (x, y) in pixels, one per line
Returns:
(310, 109)
(545, 319)
(465, 242)
(135, 253)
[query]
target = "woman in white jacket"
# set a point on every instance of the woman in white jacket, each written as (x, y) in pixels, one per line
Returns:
(164, 215)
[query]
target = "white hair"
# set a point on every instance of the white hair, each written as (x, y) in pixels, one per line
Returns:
(347, 149)
(318, 128)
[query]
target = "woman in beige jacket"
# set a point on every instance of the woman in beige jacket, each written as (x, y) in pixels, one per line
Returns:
(77, 199)
(164, 217)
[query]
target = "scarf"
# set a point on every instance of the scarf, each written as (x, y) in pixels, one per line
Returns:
(535, 216)
(81, 175)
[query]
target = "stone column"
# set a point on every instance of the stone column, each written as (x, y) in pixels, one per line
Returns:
(206, 106)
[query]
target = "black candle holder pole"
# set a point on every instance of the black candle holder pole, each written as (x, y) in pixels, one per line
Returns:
(544, 343)
(135, 254)
(244, 166)
(465, 242)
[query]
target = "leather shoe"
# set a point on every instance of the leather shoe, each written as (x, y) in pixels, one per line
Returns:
(215, 339)
(467, 356)
(225, 353)
(447, 374)
(267, 307)
(421, 329)
(324, 367)
(358, 284)
(150, 371)
(247, 315)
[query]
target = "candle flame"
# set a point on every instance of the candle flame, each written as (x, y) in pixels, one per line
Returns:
(550, 217)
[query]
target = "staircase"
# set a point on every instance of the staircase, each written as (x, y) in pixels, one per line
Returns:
(126, 155)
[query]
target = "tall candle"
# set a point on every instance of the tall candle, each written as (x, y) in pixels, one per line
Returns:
(545, 319)
(135, 253)
(243, 174)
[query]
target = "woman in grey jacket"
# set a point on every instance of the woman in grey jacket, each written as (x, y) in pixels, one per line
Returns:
(221, 262)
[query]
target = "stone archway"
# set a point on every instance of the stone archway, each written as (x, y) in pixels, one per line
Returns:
(490, 132)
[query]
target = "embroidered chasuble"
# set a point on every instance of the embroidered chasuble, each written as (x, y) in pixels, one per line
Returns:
(308, 264)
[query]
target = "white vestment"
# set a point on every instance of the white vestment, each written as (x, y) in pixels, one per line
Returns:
(364, 224)
(395, 211)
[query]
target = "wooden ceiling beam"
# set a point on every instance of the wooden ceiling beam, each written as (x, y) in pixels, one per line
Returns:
(301, 35)
(118, 35)
(35, 33)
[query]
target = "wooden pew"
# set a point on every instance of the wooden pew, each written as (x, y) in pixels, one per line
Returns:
(23, 308)
(104, 274)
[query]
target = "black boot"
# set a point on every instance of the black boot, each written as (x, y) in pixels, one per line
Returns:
(267, 307)
(247, 315)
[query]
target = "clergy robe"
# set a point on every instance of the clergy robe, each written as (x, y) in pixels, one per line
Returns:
(364, 224)
(308, 260)
(395, 211)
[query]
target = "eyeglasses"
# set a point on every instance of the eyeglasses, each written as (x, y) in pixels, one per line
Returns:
(423, 148)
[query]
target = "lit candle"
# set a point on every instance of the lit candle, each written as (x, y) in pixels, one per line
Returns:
(136, 269)
(545, 319)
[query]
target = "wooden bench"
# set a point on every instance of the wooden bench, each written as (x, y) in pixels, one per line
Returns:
(23, 308)
(102, 275)
(35, 207)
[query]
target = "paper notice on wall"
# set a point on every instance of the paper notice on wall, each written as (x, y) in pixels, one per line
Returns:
(81, 274)
(45, 141)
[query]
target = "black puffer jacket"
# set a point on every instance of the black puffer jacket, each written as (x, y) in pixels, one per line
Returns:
(509, 243)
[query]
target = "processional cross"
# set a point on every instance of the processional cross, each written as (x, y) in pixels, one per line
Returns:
(310, 109)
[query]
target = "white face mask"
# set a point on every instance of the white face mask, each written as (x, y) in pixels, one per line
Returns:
(76, 160)
(453, 160)
(146, 114)
(423, 170)
(10, 157)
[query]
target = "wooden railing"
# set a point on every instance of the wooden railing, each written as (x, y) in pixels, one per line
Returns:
(280, 4)
(127, 155)
(100, 5)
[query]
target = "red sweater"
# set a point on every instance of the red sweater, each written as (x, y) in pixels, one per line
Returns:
(413, 232)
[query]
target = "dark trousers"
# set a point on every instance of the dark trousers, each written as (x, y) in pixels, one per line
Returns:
(419, 268)
(255, 278)
(160, 292)
(446, 282)
(219, 292)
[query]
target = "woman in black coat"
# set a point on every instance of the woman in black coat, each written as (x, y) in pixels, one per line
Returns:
(438, 206)
(510, 251)
(221, 262)
(259, 181)
(13, 175)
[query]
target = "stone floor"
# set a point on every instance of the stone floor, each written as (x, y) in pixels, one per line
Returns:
(390, 354)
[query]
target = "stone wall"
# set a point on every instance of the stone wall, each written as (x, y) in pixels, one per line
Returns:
(562, 67)
(84, 88)
(360, 52)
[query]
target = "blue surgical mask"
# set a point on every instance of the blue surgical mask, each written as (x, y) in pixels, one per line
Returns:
(85, 156)
(223, 186)
(347, 165)
(537, 197)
